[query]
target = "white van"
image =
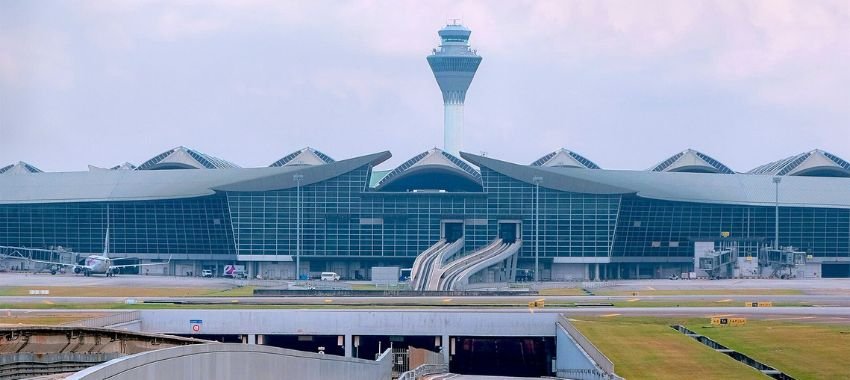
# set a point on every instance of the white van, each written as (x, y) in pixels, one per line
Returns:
(329, 276)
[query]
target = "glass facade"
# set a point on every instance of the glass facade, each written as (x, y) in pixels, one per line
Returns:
(166, 227)
(342, 219)
(655, 228)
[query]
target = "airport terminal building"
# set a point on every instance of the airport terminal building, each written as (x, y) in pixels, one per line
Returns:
(578, 220)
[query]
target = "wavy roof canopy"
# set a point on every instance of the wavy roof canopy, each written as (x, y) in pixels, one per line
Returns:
(565, 158)
(306, 156)
(430, 169)
(135, 185)
(814, 163)
(740, 189)
(19, 168)
(185, 158)
(691, 161)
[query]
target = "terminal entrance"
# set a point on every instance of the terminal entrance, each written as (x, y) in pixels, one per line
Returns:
(509, 232)
(370, 346)
(452, 231)
(326, 344)
(835, 270)
(502, 356)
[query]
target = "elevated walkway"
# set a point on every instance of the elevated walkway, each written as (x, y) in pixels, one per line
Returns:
(455, 274)
(431, 259)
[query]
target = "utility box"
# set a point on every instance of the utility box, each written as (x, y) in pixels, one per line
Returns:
(385, 275)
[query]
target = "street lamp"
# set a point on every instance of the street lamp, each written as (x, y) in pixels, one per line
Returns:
(776, 180)
(298, 178)
(537, 181)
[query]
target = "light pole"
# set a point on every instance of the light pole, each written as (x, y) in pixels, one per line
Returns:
(776, 181)
(537, 181)
(298, 178)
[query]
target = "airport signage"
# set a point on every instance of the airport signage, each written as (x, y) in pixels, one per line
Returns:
(196, 324)
(758, 304)
(724, 321)
(536, 304)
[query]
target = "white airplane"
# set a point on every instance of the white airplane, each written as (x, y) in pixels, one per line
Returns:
(93, 264)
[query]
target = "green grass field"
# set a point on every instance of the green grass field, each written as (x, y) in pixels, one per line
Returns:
(88, 291)
(647, 348)
(43, 318)
(802, 350)
(562, 292)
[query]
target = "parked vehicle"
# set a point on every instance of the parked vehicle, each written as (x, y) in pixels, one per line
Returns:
(329, 276)
(524, 275)
(207, 273)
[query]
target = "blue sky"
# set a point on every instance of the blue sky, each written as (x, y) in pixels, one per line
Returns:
(626, 84)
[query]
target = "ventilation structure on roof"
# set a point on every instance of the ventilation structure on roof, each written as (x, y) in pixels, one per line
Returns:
(19, 168)
(565, 158)
(814, 163)
(691, 161)
(185, 158)
(307, 156)
(432, 171)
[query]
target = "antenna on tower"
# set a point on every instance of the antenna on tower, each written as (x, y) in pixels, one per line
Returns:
(455, 21)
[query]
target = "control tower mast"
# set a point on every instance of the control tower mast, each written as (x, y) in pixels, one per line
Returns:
(454, 64)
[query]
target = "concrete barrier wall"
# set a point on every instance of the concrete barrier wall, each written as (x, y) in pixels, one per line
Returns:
(236, 361)
(353, 321)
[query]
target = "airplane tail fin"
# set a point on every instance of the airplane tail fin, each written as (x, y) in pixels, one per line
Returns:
(106, 244)
(106, 239)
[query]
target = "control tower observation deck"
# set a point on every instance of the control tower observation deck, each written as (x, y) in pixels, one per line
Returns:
(454, 64)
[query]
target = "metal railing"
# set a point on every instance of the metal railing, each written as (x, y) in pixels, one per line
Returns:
(423, 370)
(107, 320)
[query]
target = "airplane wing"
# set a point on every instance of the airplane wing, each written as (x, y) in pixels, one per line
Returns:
(139, 265)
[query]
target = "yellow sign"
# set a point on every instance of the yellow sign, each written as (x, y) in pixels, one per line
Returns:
(724, 234)
(749, 258)
(534, 304)
(758, 304)
(724, 321)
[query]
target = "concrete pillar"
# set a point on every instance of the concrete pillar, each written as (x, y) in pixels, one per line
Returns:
(587, 271)
(252, 339)
(445, 345)
(261, 339)
(349, 344)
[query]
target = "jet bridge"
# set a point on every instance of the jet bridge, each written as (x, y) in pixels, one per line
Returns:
(780, 260)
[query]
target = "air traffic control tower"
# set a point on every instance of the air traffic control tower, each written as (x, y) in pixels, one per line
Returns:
(454, 64)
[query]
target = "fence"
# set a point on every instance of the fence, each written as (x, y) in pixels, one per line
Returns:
(107, 320)
(423, 370)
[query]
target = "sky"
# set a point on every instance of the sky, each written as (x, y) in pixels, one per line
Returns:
(624, 83)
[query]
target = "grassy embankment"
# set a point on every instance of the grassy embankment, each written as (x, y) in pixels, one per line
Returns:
(647, 348)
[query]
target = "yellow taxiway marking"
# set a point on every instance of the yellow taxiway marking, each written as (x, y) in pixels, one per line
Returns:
(720, 315)
(610, 315)
(447, 300)
(540, 300)
(633, 300)
(650, 288)
(47, 302)
(790, 318)
(328, 300)
(726, 300)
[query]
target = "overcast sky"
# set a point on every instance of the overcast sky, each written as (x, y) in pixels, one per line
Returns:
(625, 83)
